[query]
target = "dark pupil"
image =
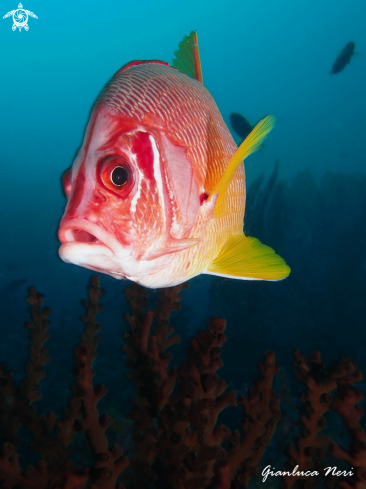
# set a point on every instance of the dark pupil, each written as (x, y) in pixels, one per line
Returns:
(119, 176)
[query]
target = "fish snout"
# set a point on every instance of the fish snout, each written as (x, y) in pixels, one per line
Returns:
(87, 244)
(81, 231)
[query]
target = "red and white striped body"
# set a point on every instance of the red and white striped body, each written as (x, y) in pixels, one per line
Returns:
(166, 133)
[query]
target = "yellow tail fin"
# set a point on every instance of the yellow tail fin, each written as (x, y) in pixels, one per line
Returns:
(247, 258)
(250, 144)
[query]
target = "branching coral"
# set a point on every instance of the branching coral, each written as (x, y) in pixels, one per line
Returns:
(311, 447)
(345, 404)
(179, 441)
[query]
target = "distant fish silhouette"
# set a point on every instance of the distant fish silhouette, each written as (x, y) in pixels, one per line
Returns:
(16, 283)
(344, 58)
(240, 125)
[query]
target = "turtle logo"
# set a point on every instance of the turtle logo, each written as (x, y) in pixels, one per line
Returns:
(20, 17)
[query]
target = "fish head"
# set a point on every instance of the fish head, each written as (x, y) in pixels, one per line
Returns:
(132, 195)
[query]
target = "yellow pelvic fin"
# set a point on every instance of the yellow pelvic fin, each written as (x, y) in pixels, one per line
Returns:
(250, 144)
(187, 58)
(247, 258)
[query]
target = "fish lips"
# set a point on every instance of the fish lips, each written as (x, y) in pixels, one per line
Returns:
(86, 244)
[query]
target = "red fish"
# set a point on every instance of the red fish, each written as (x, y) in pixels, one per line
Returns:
(156, 193)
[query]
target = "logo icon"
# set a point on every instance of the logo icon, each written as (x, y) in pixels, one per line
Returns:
(20, 18)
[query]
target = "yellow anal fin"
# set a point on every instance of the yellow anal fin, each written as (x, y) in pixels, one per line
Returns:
(187, 58)
(250, 144)
(247, 258)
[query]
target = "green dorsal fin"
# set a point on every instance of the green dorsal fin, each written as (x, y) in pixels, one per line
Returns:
(247, 258)
(187, 58)
(250, 144)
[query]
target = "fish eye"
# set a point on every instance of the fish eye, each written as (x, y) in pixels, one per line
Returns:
(115, 173)
(119, 176)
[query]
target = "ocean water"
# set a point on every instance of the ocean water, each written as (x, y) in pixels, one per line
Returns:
(258, 58)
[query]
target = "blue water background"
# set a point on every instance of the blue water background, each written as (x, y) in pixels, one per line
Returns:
(258, 58)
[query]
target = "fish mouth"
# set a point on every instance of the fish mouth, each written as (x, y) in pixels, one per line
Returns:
(83, 231)
(88, 245)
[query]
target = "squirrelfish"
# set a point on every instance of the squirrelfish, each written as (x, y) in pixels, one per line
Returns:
(156, 193)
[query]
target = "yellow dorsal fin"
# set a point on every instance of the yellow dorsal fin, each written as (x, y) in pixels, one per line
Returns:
(187, 58)
(250, 144)
(247, 258)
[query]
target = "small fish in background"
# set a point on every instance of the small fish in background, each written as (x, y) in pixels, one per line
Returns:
(156, 193)
(16, 283)
(240, 125)
(344, 58)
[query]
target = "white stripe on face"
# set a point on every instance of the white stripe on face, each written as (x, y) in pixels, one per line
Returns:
(138, 192)
(157, 174)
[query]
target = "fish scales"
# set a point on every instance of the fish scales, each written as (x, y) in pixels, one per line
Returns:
(189, 98)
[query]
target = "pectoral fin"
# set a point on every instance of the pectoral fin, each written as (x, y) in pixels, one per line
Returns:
(250, 144)
(247, 258)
